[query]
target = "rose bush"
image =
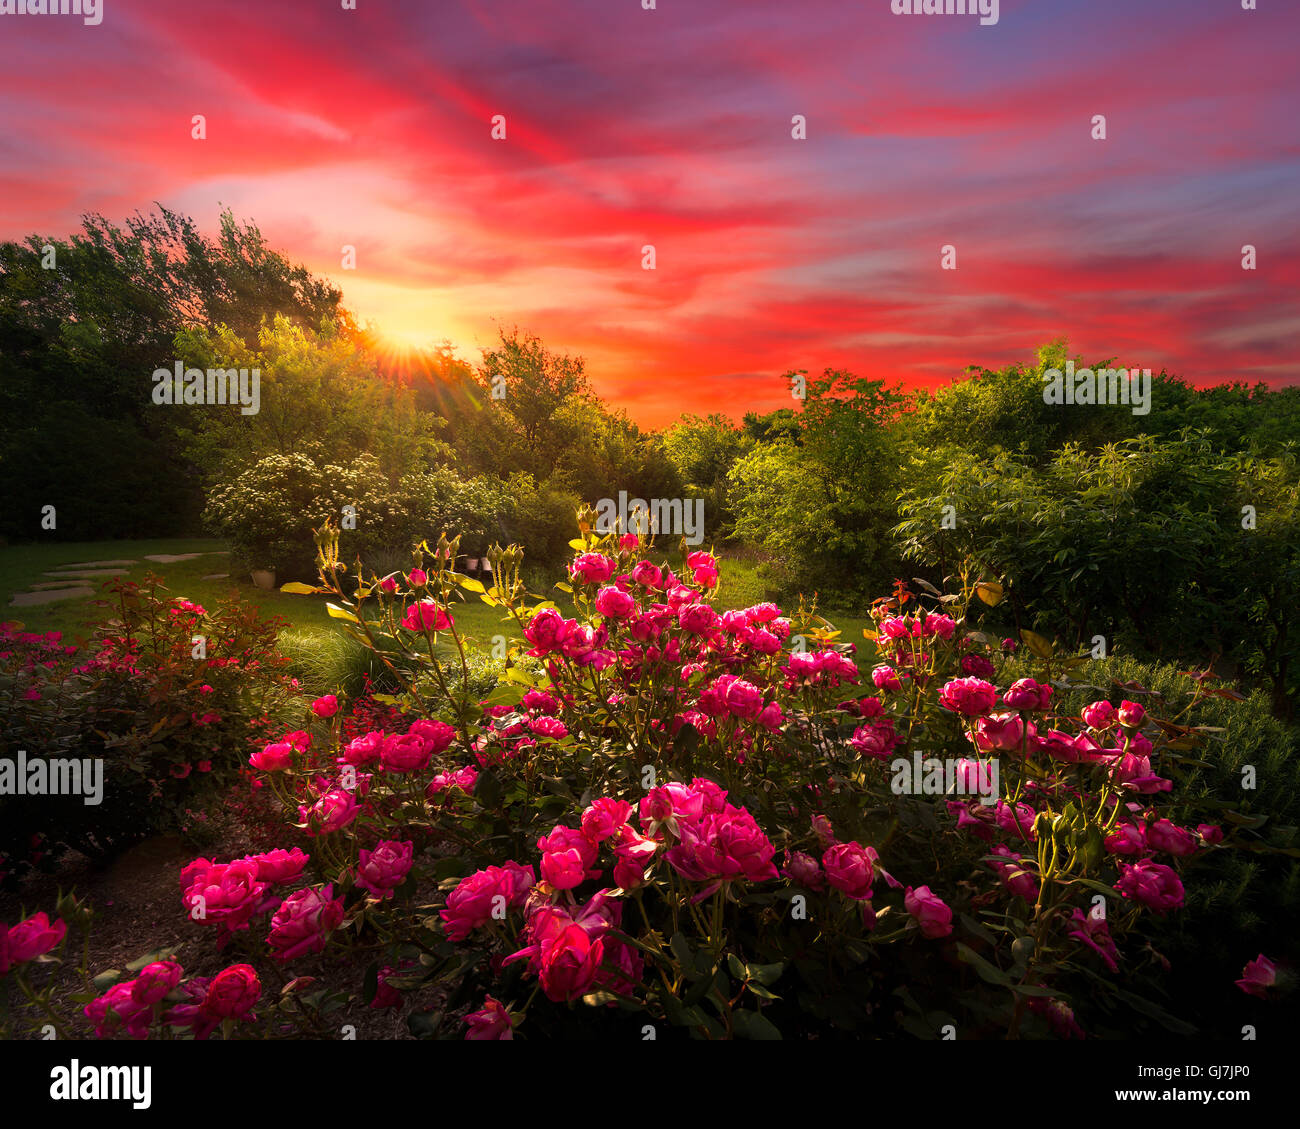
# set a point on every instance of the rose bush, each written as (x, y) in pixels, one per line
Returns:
(720, 824)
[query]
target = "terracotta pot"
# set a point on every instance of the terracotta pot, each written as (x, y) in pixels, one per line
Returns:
(264, 578)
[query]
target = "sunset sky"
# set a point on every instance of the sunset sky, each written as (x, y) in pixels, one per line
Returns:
(672, 127)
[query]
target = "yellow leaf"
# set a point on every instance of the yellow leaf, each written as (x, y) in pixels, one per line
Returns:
(990, 591)
(1036, 643)
(294, 588)
(470, 584)
(577, 544)
(335, 612)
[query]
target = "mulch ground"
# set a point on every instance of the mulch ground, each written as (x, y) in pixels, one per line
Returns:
(137, 910)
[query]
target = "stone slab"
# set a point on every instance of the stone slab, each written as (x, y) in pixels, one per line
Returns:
(30, 599)
(88, 574)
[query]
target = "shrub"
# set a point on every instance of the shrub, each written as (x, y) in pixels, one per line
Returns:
(168, 717)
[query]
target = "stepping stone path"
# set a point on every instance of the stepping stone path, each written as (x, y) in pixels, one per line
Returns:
(29, 599)
(97, 564)
(74, 577)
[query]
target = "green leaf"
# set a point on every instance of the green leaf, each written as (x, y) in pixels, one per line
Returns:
(990, 973)
(753, 1025)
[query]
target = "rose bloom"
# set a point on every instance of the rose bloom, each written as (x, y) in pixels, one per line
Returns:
(933, 917)
(978, 666)
(224, 893)
(614, 603)
(118, 1009)
(547, 631)
(304, 921)
(471, 903)
(155, 981)
(363, 750)
(405, 753)
(1126, 839)
(648, 575)
(1099, 715)
(723, 846)
(877, 740)
(278, 865)
(848, 869)
(592, 568)
(1210, 833)
(273, 758)
(1131, 714)
(1258, 977)
(605, 817)
(31, 939)
(698, 619)
(743, 699)
(1165, 836)
(884, 677)
(490, 1022)
(327, 706)
(233, 992)
(803, 869)
(426, 616)
(382, 870)
(1026, 694)
(999, 731)
(333, 811)
(1156, 886)
(970, 697)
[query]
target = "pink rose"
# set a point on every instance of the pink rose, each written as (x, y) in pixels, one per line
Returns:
(233, 992)
(1154, 885)
(1099, 715)
(304, 921)
(932, 916)
(332, 812)
(1258, 977)
(273, 758)
(474, 902)
(1026, 694)
(614, 603)
(327, 706)
(405, 752)
(278, 865)
(970, 697)
(605, 817)
(698, 619)
(1165, 836)
(33, 938)
(436, 735)
(426, 616)
(592, 568)
(490, 1022)
(1131, 714)
(382, 870)
(547, 631)
(155, 981)
(222, 893)
(363, 750)
(118, 1009)
(803, 869)
(999, 731)
(848, 868)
